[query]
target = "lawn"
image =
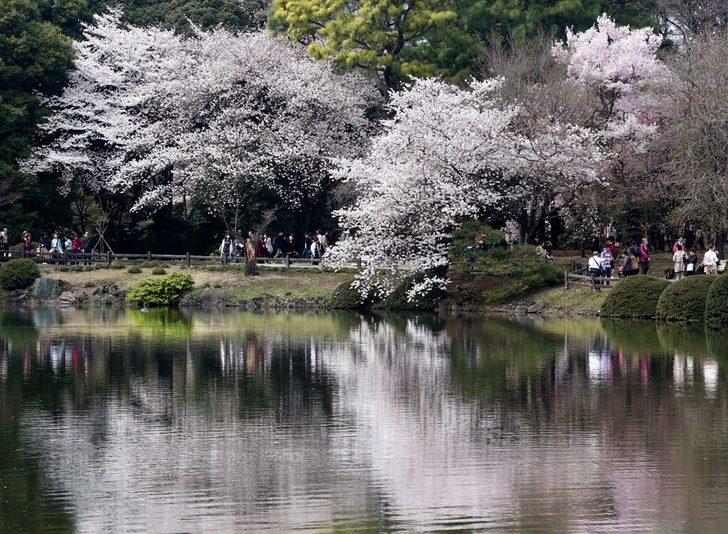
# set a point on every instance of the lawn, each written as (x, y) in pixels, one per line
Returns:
(291, 283)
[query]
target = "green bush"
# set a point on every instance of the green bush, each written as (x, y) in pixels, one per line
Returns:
(345, 297)
(685, 299)
(150, 264)
(119, 264)
(716, 305)
(635, 297)
(134, 269)
(467, 236)
(18, 274)
(161, 291)
(157, 271)
(501, 274)
(397, 300)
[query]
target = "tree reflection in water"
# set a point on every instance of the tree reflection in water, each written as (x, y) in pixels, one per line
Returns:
(234, 421)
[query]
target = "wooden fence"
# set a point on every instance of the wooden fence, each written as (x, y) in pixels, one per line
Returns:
(187, 259)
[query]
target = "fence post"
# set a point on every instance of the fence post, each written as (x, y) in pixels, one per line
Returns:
(288, 261)
(108, 258)
(566, 279)
(149, 256)
(188, 260)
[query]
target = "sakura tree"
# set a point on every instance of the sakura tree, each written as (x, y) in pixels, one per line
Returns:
(619, 64)
(169, 119)
(85, 138)
(448, 154)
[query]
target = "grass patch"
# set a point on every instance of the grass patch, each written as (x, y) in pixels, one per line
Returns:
(576, 300)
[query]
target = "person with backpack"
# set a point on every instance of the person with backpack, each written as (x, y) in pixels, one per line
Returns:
(644, 257)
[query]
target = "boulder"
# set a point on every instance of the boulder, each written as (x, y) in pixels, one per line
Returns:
(67, 299)
(45, 288)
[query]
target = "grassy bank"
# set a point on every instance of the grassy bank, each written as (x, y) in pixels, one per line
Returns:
(285, 284)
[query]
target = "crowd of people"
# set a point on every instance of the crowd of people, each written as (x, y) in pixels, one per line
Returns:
(54, 245)
(636, 260)
(236, 247)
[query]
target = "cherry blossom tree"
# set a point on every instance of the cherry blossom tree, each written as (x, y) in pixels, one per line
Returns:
(169, 119)
(448, 154)
(620, 65)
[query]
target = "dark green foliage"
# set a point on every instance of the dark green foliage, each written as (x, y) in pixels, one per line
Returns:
(119, 264)
(18, 274)
(397, 300)
(685, 299)
(635, 297)
(716, 305)
(158, 271)
(345, 297)
(496, 273)
(162, 290)
(206, 14)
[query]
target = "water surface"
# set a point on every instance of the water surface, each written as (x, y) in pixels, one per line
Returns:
(201, 422)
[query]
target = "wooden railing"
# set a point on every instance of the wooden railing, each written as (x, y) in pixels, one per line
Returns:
(85, 258)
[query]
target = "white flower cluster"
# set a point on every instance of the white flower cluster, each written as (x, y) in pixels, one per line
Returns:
(171, 118)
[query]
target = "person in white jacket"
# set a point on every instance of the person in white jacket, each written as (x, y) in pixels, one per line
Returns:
(226, 249)
(710, 260)
(595, 268)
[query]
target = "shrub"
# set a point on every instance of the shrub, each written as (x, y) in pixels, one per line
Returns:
(134, 269)
(716, 305)
(397, 300)
(150, 264)
(345, 297)
(635, 297)
(685, 299)
(158, 271)
(18, 274)
(118, 264)
(161, 291)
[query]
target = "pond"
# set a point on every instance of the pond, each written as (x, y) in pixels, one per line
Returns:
(201, 422)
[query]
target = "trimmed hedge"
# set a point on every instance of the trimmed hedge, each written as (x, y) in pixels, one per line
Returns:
(18, 274)
(635, 297)
(685, 299)
(161, 290)
(716, 304)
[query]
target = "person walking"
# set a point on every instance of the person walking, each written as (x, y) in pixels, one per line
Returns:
(710, 260)
(607, 260)
(678, 261)
(226, 249)
(644, 257)
(595, 269)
